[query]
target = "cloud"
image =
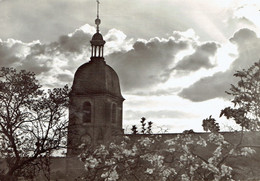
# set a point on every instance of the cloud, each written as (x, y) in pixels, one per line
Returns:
(158, 92)
(133, 114)
(243, 36)
(48, 20)
(208, 87)
(143, 64)
(54, 63)
(140, 64)
(248, 45)
(8, 54)
(147, 63)
(117, 41)
(151, 62)
(75, 42)
(249, 11)
(65, 77)
(200, 58)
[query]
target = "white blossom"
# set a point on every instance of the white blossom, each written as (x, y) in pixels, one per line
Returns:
(246, 151)
(127, 138)
(170, 142)
(153, 159)
(104, 175)
(217, 139)
(134, 149)
(167, 172)
(110, 175)
(112, 145)
(146, 141)
(225, 170)
(123, 143)
(117, 156)
(171, 150)
(127, 152)
(109, 162)
(101, 151)
(183, 157)
(217, 152)
(113, 175)
(149, 170)
(185, 148)
(185, 177)
(202, 142)
(91, 162)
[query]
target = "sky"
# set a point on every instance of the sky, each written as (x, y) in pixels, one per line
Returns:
(175, 59)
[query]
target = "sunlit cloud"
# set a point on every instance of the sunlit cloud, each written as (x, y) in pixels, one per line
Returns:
(250, 12)
(213, 86)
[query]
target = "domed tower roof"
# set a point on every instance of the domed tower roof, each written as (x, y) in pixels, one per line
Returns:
(97, 40)
(96, 77)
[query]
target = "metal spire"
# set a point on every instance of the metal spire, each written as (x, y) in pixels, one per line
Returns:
(97, 21)
(98, 8)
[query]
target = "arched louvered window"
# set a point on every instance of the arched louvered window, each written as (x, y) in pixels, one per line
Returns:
(86, 112)
(113, 113)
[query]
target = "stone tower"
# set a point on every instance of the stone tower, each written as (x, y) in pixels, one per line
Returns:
(95, 111)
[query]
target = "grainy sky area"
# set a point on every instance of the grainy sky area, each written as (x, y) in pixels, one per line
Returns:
(175, 59)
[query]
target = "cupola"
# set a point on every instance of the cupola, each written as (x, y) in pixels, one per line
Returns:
(96, 102)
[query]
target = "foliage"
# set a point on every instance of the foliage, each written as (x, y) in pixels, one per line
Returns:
(32, 122)
(183, 157)
(190, 131)
(144, 130)
(134, 129)
(210, 124)
(246, 93)
(152, 157)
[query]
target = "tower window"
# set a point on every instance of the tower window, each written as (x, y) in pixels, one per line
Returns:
(86, 112)
(113, 113)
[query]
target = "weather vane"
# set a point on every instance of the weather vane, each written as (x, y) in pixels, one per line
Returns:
(98, 21)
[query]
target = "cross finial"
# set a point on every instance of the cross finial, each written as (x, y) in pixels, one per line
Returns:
(98, 8)
(98, 21)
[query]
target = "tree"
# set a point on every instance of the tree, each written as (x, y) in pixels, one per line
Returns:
(152, 157)
(246, 110)
(210, 124)
(144, 130)
(32, 121)
(186, 156)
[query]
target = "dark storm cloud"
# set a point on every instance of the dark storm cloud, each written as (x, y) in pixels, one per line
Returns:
(24, 56)
(208, 87)
(55, 60)
(214, 86)
(200, 58)
(35, 64)
(8, 54)
(147, 64)
(65, 77)
(133, 114)
(75, 43)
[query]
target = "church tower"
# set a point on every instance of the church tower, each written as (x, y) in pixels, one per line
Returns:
(95, 111)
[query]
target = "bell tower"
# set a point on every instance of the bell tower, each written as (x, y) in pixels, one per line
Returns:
(96, 102)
